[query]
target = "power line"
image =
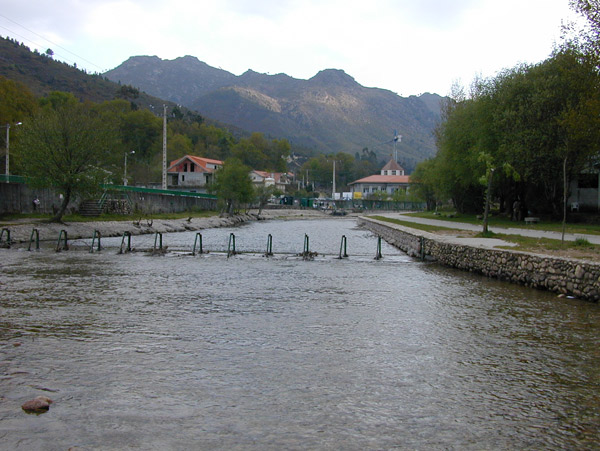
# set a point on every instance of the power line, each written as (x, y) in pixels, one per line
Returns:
(58, 55)
(46, 39)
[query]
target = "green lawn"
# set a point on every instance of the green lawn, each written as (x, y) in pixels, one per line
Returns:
(412, 225)
(577, 249)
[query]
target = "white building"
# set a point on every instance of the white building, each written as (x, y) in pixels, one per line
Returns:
(280, 180)
(190, 171)
(390, 180)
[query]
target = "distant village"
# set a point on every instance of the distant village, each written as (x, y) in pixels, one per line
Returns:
(195, 174)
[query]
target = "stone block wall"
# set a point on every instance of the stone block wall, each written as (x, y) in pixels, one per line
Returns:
(566, 276)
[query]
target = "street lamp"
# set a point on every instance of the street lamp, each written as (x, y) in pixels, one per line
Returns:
(125, 167)
(8, 148)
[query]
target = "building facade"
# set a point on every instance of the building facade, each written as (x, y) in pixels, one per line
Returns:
(193, 173)
(389, 180)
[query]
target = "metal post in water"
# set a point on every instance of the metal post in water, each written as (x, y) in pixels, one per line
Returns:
(128, 235)
(269, 246)
(378, 255)
(306, 255)
(231, 246)
(37, 239)
(96, 234)
(60, 237)
(8, 241)
(157, 235)
(198, 239)
(343, 245)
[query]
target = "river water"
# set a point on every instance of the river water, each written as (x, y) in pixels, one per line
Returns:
(252, 353)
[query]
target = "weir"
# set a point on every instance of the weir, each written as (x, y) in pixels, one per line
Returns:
(197, 248)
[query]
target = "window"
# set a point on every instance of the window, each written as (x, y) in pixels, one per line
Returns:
(192, 167)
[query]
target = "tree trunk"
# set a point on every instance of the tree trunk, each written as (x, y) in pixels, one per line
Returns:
(63, 207)
(564, 220)
(488, 197)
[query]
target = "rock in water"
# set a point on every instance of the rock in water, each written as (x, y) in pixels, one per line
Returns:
(39, 404)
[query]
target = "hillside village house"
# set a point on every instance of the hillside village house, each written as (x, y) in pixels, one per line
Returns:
(390, 180)
(280, 180)
(193, 173)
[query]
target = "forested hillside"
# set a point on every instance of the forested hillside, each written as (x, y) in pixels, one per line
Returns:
(329, 113)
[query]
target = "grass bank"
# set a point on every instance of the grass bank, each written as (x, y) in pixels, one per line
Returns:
(502, 221)
(573, 249)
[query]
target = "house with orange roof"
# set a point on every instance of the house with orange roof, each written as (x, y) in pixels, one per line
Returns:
(281, 180)
(389, 180)
(189, 172)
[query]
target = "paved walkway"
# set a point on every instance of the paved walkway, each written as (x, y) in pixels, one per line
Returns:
(595, 239)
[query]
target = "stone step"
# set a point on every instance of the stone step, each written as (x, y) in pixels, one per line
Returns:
(90, 208)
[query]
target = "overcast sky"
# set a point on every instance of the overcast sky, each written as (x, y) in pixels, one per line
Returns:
(406, 46)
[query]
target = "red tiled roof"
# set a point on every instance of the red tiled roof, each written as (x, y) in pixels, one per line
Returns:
(198, 161)
(390, 179)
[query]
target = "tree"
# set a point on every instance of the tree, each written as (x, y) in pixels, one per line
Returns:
(17, 101)
(65, 147)
(233, 185)
(263, 193)
(585, 40)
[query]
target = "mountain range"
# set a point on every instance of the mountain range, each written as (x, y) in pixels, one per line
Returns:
(329, 112)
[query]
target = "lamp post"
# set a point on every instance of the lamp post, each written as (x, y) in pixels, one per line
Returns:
(8, 149)
(125, 167)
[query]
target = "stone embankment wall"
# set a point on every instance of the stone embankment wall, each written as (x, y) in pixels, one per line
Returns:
(18, 198)
(566, 276)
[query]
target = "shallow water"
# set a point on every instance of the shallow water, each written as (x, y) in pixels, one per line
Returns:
(249, 352)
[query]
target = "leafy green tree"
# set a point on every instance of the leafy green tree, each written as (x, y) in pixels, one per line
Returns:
(423, 183)
(262, 195)
(514, 135)
(546, 115)
(278, 151)
(17, 101)
(248, 151)
(64, 147)
(233, 185)
(140, 131)
(585, 40)
(179, 145)
(17, 105)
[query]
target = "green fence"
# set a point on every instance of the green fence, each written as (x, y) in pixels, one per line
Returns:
(12, 179)
(167, 192)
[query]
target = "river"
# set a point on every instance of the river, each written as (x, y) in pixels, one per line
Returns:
(252, 352)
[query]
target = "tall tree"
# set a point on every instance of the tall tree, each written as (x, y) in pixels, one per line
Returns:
(233, 185)
(64, 147)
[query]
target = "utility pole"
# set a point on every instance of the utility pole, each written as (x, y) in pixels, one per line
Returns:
(333, 191)
(164, 170)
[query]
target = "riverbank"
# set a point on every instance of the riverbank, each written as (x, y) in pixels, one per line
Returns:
(20, 231)
(565, 276)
